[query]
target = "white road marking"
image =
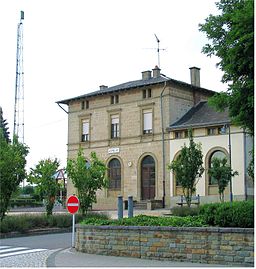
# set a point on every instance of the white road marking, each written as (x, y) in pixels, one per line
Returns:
(7, 251)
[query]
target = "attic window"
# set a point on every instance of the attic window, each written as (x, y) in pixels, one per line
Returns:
(85, 104)
(146, 93)
(114, 99)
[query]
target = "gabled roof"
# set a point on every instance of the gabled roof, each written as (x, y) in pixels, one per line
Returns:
(131, 85)
(200, 115)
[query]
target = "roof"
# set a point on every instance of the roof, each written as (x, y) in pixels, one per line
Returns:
(130, 85)
(200, 115)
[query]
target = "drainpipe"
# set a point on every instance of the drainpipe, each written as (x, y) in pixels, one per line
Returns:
(163, 148)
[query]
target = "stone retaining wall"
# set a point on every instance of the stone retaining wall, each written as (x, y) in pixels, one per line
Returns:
(229, 246)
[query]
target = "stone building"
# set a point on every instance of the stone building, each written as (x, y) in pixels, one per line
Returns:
(127, 125)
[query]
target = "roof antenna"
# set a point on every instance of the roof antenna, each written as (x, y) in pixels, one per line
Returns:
(158, 50)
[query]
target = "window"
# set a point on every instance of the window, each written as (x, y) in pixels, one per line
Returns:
(85, 131)
(214, 131)
(216, 154)
(114, 99)
(146, 93)
(147, 122)
(114, 174)
(181, 134)
(85, 104)
(114, 126)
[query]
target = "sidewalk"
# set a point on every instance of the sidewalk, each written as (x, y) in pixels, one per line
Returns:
(71, 258)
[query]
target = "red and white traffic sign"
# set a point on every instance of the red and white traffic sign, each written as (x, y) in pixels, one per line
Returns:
(72, 204)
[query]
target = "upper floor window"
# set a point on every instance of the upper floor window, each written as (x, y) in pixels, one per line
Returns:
(147, 122)
(114, 126)
(85, 104)
(85, 131)
(214, 130)
(146, 93)
(114, 99)
(181, 134)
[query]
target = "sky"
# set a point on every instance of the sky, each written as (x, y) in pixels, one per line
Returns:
(71, 47)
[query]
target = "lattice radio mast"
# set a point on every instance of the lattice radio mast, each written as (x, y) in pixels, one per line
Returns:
(18, 128)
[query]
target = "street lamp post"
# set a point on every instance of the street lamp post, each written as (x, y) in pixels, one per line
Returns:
(224, 130)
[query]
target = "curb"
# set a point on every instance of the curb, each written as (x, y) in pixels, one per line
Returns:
(35, 232)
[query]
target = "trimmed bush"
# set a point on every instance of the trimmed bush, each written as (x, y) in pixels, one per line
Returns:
(183, 211)
(142, 220)
(235, 214)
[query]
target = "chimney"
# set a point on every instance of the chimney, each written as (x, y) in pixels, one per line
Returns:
(195, 76)
(156, 72)
(102, 87)
(146, 75)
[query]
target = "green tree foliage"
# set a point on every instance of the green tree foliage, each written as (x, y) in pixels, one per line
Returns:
(12, 169)
(222, 172)
(188, 167)
(231, 36)
(3, 126)
(87, 177)
(47, 185)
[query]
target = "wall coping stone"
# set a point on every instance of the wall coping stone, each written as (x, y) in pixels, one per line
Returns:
(168, 228)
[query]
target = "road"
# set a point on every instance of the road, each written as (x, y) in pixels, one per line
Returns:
(31, 251)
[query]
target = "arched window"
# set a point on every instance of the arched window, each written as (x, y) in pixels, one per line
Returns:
(114, 174)
(216, 154)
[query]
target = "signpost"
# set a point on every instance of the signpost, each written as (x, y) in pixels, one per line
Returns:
(73, 206)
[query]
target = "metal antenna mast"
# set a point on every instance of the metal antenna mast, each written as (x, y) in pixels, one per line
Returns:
(158, 50)
(18, 128)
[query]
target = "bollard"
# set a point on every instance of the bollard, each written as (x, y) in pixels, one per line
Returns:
(120, 207)
(130, 206)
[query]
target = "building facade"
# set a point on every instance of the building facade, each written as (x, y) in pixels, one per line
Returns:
(218, 138)
(127, 126)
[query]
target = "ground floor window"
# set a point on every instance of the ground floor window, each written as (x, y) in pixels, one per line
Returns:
(114, 174)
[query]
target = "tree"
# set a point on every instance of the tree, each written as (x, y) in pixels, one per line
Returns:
(43, 176)
(3, 126)
(12, 169)
(188, 167)
(222, 172)
(231, 36)
(87, 177)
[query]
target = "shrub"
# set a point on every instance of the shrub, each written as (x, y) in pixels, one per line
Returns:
(142, 220)
(235, 214)
(26, 222)
(184, 211)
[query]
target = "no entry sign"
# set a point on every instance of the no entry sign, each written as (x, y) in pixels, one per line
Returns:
(72, 204)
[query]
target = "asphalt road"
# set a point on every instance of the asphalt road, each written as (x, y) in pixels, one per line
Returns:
(47, 241)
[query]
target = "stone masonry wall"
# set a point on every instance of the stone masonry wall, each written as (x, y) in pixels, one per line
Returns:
(227, 246)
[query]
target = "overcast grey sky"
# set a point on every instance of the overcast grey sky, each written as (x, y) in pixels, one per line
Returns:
(73, 46)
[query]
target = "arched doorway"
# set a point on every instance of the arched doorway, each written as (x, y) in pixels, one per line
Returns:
(148, 178)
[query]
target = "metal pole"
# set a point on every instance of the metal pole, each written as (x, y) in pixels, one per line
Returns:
(163, 146)
(229, 148)
(130, 206)
(120, 207)
(73, 231)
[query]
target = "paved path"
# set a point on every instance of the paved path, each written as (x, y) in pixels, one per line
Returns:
(71, 258)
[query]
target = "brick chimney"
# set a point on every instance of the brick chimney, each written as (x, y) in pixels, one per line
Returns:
(146, 75)
(156, 72)
(102, 87)
(195, 76)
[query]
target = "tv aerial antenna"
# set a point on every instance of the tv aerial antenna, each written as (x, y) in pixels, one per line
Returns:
(157, 49)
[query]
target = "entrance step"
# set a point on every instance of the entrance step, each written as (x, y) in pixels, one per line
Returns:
(141, 205)
(148, 204)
